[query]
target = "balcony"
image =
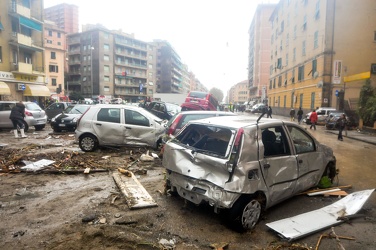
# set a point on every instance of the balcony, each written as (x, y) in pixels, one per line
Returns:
(20, 10)
(24, 41)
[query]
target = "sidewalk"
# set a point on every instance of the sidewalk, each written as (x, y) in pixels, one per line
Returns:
(352, 134)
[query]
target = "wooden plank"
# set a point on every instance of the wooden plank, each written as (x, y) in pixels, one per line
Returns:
(337, 193)
(135, 194)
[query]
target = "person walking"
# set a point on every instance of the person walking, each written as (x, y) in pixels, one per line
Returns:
(313, 119)
(300, 115)
(292, 115)
(269, 112)
(341, 126)
(17, 116)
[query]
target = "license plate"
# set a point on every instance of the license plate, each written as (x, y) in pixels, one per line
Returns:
(61, 125)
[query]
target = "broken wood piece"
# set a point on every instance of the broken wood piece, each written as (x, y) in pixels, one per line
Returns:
(87, 170)
(125, 172)
(323, 192)
(337, 193)
(323, 189)
(135, 194)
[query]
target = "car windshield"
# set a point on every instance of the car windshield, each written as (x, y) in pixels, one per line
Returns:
(32, 107)
(76, 109)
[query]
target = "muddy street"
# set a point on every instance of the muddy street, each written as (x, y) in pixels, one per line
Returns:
(71, 210)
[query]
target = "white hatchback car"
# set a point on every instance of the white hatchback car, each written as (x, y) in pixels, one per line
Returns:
(118, 125)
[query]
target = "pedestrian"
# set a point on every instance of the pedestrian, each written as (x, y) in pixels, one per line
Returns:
(292, 115)
(313, 119)
(300, 115)
(269, 112)
(341, 126)
(17, 115)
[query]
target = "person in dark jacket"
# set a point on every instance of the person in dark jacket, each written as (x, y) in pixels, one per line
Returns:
(17, 116)
(269, 112)
(342, 124)
(300, 115)
(292, 115)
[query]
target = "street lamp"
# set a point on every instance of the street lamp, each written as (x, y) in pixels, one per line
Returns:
(91, 71)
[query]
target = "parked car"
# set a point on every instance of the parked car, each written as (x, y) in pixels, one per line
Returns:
(331, 121)
(163, 110)
(176, 123)
(242, 166)
(67, 120)
(118, 125)
(197, 100)
(34, 115)
(322, 114)
(259, 108)
(56, 108)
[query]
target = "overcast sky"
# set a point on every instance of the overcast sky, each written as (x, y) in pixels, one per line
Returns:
(210, 36)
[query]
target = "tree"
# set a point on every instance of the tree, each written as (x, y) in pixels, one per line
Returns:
(217, 93)
(367, 104)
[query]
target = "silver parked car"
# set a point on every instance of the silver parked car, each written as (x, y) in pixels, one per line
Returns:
(118, 125)
(34, 115)
(243, 165)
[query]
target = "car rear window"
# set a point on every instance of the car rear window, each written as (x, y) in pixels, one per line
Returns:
(201, 95)
(32, 106)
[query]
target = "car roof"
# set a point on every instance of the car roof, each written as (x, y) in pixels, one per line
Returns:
(238, 121)
(203, 112)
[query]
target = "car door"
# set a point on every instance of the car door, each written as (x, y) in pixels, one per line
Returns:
(310, 160)
(139, 129)
(108, 126)
(278, 163)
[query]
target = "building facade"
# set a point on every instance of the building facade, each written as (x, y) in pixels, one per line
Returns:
(22, 72)
(65, 16)
(315, 46)
(259, 53)
(54, 45)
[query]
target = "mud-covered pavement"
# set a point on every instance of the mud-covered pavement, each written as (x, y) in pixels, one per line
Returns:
(63, 208)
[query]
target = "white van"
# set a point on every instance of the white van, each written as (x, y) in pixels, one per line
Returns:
(322, 114)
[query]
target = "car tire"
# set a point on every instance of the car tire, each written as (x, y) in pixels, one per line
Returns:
(245, 213)
(88, 143)
(39, 127)
(26, 126)
(330, 172)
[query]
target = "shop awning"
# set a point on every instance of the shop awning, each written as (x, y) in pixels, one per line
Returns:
(4, 89)
(30, 23)
(36, 90)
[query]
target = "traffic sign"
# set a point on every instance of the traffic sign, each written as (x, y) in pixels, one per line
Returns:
(337, 92)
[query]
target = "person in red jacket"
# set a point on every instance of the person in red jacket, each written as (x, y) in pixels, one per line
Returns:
(313, 119)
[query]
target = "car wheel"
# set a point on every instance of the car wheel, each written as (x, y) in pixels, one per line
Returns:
(26, 126)
(245, 213)
(39, 127)
(330, 172)
(88, 143)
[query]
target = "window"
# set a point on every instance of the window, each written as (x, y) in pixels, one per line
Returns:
(294, 55)
(305, 22)
(301, 100)
(293, 76)
(109, 115)
(279, 81)
(53, 82)
(271, 69)
(106, 78)
(106, 68)
(53, 55)
(50, 33)
(106, 46)
(58, 43)
(279, 63)
(301, 73)
(58, 34)
(316, 40)
(314, 68)
(135, 118)
(295, 29)
(106, 57)
(275, 141)
(282, 26)
(304, 48)
(317, 10)
(106, 35)
(313, 95)
(303, 143)
(49, 41)
(287, 39)
(287, 59)
(374, 36)
(270, 84)
(284, 101)
(274, 83)
(150, 66)
(1, 54)
(53, 68)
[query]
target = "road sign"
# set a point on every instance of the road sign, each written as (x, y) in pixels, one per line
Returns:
(337, 92)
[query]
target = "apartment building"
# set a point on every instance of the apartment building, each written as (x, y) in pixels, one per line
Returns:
(316, 47)
(108, 64)
(65, 16)
(168, 68)
(239, 93)
(22, 72)
(55, 55)
(259, 59)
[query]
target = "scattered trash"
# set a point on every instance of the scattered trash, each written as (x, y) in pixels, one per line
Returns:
(167, 244)
(106, 157)
(146, 157)
(301, 225)
(102, 221)
(39, 165)
(155, 155)
(125, 172)
(87, 170)
(333, 235)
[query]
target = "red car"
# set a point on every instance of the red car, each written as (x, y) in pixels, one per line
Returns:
(197, 100)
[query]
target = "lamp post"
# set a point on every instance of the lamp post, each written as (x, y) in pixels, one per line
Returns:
(91, 71)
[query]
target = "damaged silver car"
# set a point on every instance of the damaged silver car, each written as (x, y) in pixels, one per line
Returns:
(244, 165)
(118, 125)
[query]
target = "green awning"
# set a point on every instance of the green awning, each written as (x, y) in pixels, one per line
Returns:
(30, 24)
(1, 26)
